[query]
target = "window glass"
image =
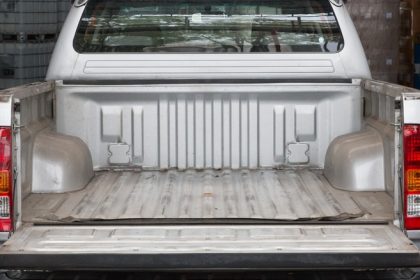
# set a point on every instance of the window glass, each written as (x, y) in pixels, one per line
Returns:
(203, 26)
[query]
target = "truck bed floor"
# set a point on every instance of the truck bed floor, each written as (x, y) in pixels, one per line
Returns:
(261, 194)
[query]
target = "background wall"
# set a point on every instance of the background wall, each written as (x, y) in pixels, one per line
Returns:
(28, 31)
(410, 42)
(378, 24)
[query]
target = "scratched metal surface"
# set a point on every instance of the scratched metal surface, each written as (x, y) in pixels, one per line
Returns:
(261, 194)
(208, 239)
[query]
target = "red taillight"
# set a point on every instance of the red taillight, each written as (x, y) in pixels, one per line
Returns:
(6, 179)
(412, 177)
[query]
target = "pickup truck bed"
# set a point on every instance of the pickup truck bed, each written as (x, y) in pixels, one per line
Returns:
(208, 219)
(286, 195)
(204, 197)
(163, 154)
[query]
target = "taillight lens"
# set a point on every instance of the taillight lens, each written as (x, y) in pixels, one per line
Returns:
(412, 176)
(6, 179)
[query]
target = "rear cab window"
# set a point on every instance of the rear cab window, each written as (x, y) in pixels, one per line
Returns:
(202, 26)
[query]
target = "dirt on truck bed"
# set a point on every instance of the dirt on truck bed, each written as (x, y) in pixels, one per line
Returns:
(287, 195)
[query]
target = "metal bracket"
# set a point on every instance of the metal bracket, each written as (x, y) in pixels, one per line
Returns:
(17, 126)
(395, 124)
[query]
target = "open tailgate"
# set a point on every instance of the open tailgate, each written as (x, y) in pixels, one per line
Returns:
(208, 247)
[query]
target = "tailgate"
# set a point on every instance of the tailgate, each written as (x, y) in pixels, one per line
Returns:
(208, 247)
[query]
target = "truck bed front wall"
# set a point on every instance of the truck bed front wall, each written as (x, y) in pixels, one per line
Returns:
(208, 126)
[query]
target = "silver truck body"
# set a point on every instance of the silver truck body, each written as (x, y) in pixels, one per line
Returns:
(198, 161)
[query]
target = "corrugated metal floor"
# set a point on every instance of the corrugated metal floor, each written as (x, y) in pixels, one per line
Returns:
(261, 194)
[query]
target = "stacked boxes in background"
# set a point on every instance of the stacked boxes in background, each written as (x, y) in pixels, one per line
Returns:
(28, 31)
(23, 63)
(417, 65)
(378, 25)
(63, 9)
(415, 37)
(410, 43)
(406, 45)
(416, 41)
(28, 17)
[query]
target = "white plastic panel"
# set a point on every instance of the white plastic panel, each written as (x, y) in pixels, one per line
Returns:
(411, 109)
(5, 109)
(208, 126)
